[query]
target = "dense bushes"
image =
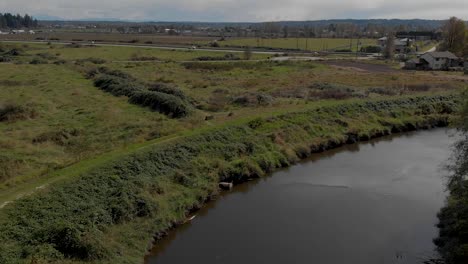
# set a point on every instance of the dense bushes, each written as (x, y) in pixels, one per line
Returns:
(161, 97)
(91, 60)
(116, 85)
(226, 57)
(371, 49)
(145, 192)
(162, 102)
(253, 99)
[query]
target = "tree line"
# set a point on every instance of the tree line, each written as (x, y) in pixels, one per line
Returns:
(455, 34)
(11, 21)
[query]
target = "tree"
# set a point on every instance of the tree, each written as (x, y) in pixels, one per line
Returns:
(247, 53)
(285, 32)
(465, 48)
(8, 20)
(454, 36)
(389, 49)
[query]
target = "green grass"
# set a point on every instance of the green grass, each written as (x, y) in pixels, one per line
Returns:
(119, 53)
(311, 44)
(64, 100)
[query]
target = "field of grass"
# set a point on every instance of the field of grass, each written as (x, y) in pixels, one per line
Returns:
(311, 44)
(105, 166)
(109, 37)
(115, 53)
(72, 115)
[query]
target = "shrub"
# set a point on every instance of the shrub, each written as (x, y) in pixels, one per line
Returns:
(61, 137)
(159, 96)
(371, 49)
(331, 91)
(116, 85)
(136, 57)
(14, 52)
(36, 61)
(5, 59)
(47, 56)
(91, 60)
(383, 91)
(14, 112)
(253, 99)
(164, 103)
(226, 57)
(73, 45)
(166, 88)
(343, 50)
(60, 62)
(423, 87)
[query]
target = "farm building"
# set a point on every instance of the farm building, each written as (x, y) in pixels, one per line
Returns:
(434, 61)
(400, 44)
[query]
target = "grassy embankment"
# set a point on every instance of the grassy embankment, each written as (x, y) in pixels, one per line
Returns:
(110, 213)
(452, 242)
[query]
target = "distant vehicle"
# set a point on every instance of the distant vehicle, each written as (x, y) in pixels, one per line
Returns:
(193, 47)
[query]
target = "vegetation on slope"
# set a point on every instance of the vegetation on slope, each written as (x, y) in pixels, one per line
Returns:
(108, 214)
(452, 241)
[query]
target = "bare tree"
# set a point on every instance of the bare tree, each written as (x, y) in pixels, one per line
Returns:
(454, 35)
(389, 50)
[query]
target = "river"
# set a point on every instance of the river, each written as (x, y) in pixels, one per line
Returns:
(373, 202)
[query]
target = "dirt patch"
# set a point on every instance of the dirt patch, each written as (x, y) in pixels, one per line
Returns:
(361, 66)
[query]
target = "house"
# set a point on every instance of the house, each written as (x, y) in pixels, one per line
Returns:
(434, 61)
(18, 31)
(400, 45)
(440, 60)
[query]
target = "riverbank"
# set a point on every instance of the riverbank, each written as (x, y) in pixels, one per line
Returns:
(109, 214)
(384, 193)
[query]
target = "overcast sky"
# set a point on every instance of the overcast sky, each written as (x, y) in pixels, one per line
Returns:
(237, 10)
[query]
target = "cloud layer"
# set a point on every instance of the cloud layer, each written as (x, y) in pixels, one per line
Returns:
(237, 10)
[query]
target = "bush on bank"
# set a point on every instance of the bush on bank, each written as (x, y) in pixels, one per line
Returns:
(109, 214)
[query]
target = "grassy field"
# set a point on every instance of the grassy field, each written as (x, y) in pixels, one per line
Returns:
(71, 115)
(109, 37)
(311, 44)
(98, 160)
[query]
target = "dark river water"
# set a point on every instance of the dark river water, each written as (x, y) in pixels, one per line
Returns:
(373, 202)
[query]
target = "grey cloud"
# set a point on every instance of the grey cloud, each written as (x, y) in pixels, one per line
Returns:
(238, 10)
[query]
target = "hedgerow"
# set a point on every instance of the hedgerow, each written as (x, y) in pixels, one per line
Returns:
(160, 97)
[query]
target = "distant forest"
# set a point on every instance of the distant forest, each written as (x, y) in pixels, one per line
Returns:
(8, 20)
